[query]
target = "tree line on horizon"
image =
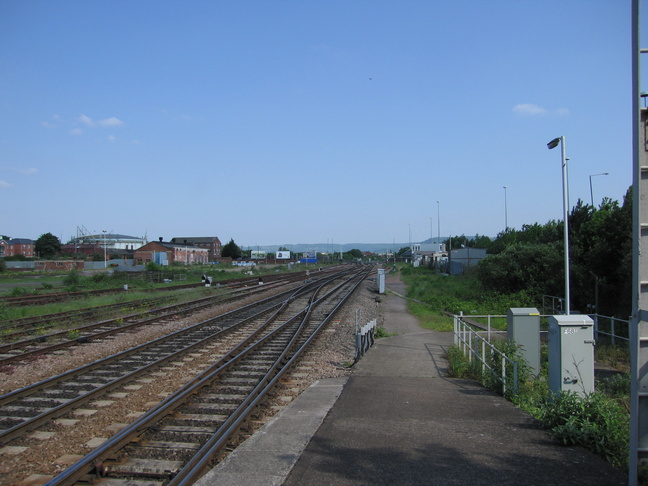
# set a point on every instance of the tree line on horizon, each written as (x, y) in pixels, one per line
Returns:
(531, 259)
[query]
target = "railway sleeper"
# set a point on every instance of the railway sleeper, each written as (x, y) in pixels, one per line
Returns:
(233, 389)
(242, 379)
(47, 402)
(172, 451)
(142, 467)
(181, 433)
(220, 408)
(8, 422)
(23, 411)
(195, 418)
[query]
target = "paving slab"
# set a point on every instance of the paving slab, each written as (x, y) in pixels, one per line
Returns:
(400, 420)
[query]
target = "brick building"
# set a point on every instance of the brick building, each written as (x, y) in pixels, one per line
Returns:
(17, 246)
(211, 243)
(87, 249)
(167, 253)
(58, 265)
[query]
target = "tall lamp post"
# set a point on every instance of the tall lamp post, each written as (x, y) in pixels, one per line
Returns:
(551, 145)
(105, 251)
(505, 211)
(438, 223)
(592, 192)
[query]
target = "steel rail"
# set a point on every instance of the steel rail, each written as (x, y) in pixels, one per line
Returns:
(199, 462)
(17, 430)
(171, 310)
(96, 460)
(11, 433)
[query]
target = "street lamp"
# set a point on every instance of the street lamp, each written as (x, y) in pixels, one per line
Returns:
(551, 145)
(438, 223)
(105, 252)
(592, 192)
(505, 212)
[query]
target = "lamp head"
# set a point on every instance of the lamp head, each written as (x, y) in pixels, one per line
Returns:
(554, 143)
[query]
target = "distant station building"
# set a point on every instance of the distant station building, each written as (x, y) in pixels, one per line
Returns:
(211, 243)
(112, 243)
(168, 253)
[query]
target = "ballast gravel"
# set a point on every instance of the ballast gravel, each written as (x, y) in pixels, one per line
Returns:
(48, 450)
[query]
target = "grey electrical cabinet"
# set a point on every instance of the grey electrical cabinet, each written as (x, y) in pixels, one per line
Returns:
(381, 280)
(523, 327)
(571, 354)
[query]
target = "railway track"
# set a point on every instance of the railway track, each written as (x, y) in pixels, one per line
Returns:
(176, 440)
(22, 409)
(47, 298)
(14, 328)
(27, 349)
(22, 351)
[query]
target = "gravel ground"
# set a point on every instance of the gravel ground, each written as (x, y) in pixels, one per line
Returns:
(50, 449)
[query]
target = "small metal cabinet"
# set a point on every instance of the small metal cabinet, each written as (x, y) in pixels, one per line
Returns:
(571, 354)
(381, 280)
(523, 327)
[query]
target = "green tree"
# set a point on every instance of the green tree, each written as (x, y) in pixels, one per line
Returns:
(47, 245)
(536, 268)
(600, 250)
(231, 250)
(403, 250)
(355, 253)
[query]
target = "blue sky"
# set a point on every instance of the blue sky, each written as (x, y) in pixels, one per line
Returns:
(284, 122)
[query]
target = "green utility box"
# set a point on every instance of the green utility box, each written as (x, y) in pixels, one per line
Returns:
(523, 327)
(571, 354)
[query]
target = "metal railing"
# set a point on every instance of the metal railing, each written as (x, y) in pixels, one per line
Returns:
(365, 338)
(479, 350)
(614, 328)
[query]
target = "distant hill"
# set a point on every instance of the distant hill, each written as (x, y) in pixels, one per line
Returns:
(336, 248)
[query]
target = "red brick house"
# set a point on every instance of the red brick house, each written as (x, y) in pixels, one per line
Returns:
(166, 253)
(17, 246)
(211, 243)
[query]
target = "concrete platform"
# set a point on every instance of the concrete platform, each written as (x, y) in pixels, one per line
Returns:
(400, 421)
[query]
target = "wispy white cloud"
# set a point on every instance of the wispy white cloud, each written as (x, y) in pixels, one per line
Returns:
(529, 109)
(21, 170)
(4, 185)
(111, 122)
(27, 171)
(53, 122)
(86, 120)
(112, 138)
(76, 131)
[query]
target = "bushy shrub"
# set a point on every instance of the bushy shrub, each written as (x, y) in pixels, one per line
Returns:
(458, 364)
(72, 280)
(18, 292)
(594, 422)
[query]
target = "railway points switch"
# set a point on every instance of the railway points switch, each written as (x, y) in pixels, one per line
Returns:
(523, 327)
(571, 354)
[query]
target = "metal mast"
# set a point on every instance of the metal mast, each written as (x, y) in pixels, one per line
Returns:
(639, 319)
